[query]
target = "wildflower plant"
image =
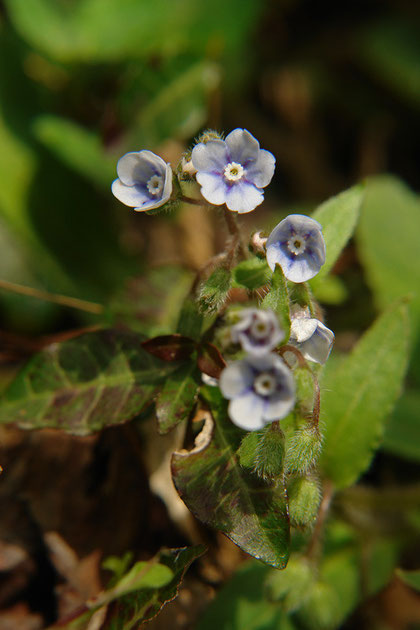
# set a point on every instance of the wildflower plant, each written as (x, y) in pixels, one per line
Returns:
(282, 437)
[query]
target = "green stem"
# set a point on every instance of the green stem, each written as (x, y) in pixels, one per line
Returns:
(314, 547)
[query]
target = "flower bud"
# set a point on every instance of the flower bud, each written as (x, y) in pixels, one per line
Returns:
(303, 449)
(263, 451)
(304, 497)
(214, 292)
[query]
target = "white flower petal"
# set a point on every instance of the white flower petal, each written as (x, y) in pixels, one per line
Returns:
(243, 147)
(167, 187)
(243, 197)
(235, 379)
(213, 187)
(302, 328)
(210, 156)
(247, 411)
(129, 195)
(260, 173)
(139, 167)
(318, 347)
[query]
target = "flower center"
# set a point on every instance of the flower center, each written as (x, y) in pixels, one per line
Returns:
(265, 384)
(155, 185)
(296, 245)
(233, 171)
(259, 329)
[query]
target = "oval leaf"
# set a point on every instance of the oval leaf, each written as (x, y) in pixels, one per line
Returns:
(177, 398)
(359, 394)
(220, 493)
(170, 347)
(84, 384)
(210, 361)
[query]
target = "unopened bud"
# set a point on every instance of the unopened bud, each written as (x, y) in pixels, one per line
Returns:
(303, 449)
(257, 243)
(214, 292)
(304, 497)
(209, 134)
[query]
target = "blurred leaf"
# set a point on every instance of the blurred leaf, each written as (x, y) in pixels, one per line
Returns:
(251, 274)
(241, 604)
(105, 30)
(391, 48)
(84, 384)
(211, 482)
(402, 433)
(170, 347)
(140, 594)
(359, 394)
(388, 239)
(338, 217)
(331, 290)
(210, 361)
(190, 320)
(178, 396)
(179, 108)
(277, 299)
(380, 557)
(77, 147)
(412, 578)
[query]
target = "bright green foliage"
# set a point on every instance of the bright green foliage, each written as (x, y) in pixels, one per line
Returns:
(303, 449)
(213, 293)
(241, 605)
(263, 452)
(278, 300)
(251, 274)
(359, 394)
(177, 398)
(304, 496)
(402, 432)
(338, 217)
(218, 491)
(141, 593)
(84, 384)
(412, 578)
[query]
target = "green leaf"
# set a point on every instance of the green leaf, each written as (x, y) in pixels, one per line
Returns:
(359, 394)
(140, 594)
(412, 578)
(220, 493)
(388, 240)
(338, 217)
(277, 299)
(178, 397)
(241, 604)
(402, 433)
(251, 274)
(190, 322)
(77, 147)
(84, 384)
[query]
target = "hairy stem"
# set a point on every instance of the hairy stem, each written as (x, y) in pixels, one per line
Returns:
(234, 231)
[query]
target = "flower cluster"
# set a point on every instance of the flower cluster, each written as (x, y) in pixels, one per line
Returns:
(234, 171)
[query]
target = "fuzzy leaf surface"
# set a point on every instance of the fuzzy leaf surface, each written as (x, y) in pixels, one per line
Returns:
(84, 384)
(338, 217)
(251, 273)
(359, 394)
(277, 299)
(220, 493)
(178, 396)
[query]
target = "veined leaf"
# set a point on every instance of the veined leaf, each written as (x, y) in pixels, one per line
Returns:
(137, 596)
(338, 217)
(178, 396)
(84, 384)
(220, 493)
(359, 394)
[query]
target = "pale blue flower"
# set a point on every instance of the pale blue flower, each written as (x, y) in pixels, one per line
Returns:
(311, 337)
(144, 180)
(257, 331)
(260, 389)
(233, 171)
(298, 246)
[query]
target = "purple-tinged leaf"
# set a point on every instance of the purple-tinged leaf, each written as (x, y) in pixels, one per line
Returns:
(178, 396)
(84, 384)
(210, 361)
(252, 512)
(170, 347)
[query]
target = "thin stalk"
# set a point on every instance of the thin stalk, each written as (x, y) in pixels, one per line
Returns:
(234, 231)
(56, 298)
(314, 547)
